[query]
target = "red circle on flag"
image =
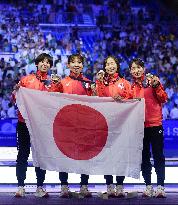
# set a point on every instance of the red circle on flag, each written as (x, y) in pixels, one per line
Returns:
(80, 132)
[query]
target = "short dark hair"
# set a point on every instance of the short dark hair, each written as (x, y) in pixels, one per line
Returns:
(137, 61)
(117, 63)
(77, 55)
(43, 56)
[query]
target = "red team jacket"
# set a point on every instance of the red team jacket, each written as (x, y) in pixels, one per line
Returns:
(116, 86)
(154, 98)
(35, 81)
(73, 86)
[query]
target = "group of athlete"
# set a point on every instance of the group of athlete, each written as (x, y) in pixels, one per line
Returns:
(109, 83)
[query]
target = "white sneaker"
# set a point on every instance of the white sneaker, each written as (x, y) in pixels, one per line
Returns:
(84, 191)
(41, 192)
(148, 192)
(111, 190)
(64, 191)
(20, 192)
(160, 193)
(120, 191)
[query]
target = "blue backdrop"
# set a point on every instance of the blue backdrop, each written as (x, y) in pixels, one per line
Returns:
(8, 135)
(171, 138)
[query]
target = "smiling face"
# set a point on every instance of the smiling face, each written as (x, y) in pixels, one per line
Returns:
(76, 65)
(111, 66)
(136, 70)
(44, 65)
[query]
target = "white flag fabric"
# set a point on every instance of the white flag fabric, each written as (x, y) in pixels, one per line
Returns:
(83, 134)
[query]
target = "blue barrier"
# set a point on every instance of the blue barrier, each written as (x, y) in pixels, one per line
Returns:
(171, 138)
(8, 135)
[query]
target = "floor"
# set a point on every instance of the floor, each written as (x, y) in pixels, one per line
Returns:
(134, 188)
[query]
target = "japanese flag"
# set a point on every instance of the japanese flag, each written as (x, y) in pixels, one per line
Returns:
(83, 134)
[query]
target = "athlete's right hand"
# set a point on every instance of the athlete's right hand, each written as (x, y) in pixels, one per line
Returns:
(100, 75)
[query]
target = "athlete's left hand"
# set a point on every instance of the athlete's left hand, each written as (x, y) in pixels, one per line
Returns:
(155, 81)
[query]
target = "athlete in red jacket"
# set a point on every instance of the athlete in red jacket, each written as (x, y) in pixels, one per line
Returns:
(152, 91)
(38, 81)
(111, 84)
(75, 83)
